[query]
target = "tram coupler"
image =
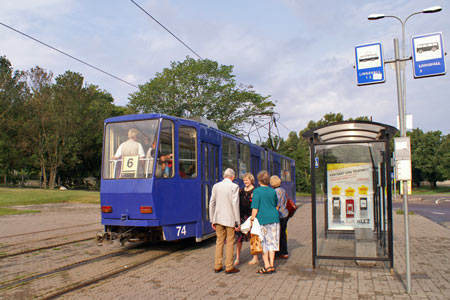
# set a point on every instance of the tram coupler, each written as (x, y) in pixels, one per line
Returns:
(106, 236)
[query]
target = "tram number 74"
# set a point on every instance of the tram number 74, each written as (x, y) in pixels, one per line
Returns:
(181, 230)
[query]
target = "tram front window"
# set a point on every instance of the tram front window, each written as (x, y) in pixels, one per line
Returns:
(125, 147)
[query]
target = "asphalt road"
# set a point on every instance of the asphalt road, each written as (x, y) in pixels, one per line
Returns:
(433, 207)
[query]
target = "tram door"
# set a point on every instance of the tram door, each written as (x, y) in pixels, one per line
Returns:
(210, 175)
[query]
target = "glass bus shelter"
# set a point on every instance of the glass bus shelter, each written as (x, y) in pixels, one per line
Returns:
(351, 192)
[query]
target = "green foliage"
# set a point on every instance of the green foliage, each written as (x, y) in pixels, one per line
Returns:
(52, 128)
(430, 153)
(201, 88)
(13, 92)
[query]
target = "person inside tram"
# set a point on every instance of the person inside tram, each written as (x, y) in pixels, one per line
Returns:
(163, 159)
(130, 147)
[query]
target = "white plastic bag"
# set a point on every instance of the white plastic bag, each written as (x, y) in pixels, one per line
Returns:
(245, 227)
(255, 229)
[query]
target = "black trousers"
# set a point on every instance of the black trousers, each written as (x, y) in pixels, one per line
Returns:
(283, 237)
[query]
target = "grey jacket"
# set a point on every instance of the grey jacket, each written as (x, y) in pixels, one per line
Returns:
(224, 204)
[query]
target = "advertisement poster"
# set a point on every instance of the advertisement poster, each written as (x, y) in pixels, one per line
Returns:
(350, 196)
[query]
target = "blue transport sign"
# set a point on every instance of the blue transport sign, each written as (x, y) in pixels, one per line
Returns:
(369, 64)
(428, 55)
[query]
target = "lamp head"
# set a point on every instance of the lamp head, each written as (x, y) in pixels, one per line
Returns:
(375, 16)
(432, 9)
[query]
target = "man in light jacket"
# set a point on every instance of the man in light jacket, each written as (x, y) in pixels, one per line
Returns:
(225, 219)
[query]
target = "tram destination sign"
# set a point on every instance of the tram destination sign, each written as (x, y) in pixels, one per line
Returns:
(428, 55)
(369, 64)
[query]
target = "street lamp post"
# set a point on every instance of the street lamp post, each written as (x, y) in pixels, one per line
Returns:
(428, 10)
(401, 93)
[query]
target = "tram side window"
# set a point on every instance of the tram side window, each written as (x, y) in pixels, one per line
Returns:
(244, 160)
(263, 160)
(187, 152)
(285, 170)
(229, 154)
(164, 164)
(274, 166)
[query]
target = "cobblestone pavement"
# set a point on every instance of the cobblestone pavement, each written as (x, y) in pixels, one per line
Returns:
(189, 274)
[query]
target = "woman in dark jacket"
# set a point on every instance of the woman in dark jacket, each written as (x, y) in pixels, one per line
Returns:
(245, 210)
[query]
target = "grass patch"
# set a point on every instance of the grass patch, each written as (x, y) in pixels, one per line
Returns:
(29, 196)
(24, 196)
(303, 194)
(428, 190)
(402, 212)
(11, 211)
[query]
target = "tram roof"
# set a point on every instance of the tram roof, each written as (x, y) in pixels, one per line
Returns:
(350, 131)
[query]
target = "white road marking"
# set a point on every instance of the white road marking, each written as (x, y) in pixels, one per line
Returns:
(446, 200)
(437, 213)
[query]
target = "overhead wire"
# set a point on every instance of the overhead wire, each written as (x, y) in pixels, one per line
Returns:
(160, 24)
(71, 56)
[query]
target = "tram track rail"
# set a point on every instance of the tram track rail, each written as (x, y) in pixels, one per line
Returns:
(77, 237)
(47, 230)
(118, 271)
(12, 283)
(94, 270)
(3, 256)
(47, 239)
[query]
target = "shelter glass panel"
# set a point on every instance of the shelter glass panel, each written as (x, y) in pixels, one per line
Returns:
(351, 218)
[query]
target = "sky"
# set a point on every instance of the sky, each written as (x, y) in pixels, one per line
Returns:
(301, 53)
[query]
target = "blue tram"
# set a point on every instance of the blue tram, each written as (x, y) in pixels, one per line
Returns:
(158, 172)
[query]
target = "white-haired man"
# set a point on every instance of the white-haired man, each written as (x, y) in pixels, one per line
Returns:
(130, 147)
(225, 219)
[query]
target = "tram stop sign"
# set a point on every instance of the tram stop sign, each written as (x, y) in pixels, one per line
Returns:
(428, 55)
(369, 64)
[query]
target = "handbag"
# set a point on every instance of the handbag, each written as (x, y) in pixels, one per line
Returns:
(291, 207)
(255, 245)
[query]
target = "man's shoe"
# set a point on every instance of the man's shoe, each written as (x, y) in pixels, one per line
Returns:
(232, 271)
(218, 270)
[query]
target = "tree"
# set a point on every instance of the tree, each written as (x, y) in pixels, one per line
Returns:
(65, 124)
(201, 88)
(13, 93)
(38, 126)
(429, 159)
(85, 159)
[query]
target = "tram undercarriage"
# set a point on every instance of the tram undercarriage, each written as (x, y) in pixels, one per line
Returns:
(124, 234)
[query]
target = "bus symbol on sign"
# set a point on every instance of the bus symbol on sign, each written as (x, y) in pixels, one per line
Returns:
(428, 55)
(427, 47)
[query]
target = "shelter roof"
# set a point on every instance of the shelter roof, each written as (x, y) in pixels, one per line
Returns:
(350, 131)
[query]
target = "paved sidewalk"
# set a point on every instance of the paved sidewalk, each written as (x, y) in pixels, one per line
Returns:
(189, 274)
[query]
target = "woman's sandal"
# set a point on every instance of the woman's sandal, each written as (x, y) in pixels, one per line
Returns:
(264, 271)
(272, 269)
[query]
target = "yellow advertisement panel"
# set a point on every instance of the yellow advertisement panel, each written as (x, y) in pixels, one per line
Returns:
(350, 196)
